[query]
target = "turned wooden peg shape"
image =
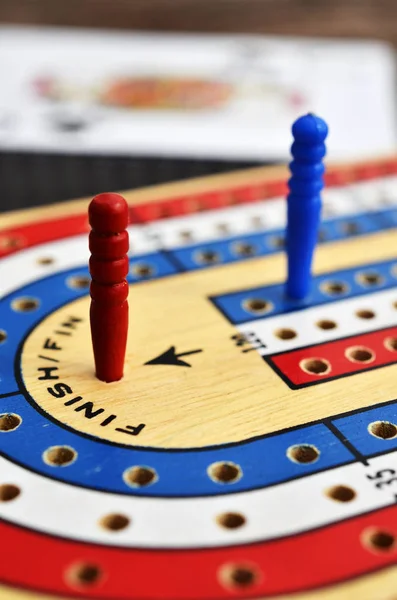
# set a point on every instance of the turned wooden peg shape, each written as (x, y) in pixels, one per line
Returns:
(109, 245)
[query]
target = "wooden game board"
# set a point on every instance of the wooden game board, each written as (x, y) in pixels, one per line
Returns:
(250, 449)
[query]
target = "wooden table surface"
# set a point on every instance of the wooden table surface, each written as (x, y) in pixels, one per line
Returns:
(355, 18)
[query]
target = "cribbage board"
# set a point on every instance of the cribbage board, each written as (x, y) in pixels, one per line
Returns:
(250, 449)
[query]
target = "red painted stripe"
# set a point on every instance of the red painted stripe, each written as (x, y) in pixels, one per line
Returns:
(342, 357)
(26, 236)
(310, 560)
(15, 238)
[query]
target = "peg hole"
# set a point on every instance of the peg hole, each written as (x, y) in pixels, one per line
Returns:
(45, 261)
(379, 540)
(369, 279)
(142, 270)
(243, 249)
(9, 422)
(115, 522)
(186, 236)
(350, 228)
(239, 576)
(10, 243)
(341, 493)
(383, 430)
(391, 344)
(326, 324)
(25, 304)
(59, 456)
(365, 314)
(140, 476)
(84, 575)
(207, 257)
(303, 454)
(9, 492)
(3, 336)
(315, 366)
(277, 241)
(257, 306)
(359, 354)
(225, 472)
(285, 334)
(257, 222)
(231, 520)
(334, 288)
(79, 282)
(223, 228)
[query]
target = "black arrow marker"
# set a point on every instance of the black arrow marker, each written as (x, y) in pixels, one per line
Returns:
(170, 357)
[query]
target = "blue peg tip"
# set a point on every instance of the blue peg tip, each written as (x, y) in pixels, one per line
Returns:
(309, 129)
(304, 202)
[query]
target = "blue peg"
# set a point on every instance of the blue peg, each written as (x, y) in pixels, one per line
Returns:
(304, 201)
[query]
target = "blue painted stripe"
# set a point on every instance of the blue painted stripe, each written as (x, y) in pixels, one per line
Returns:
(100, 465)
(355, 428)
(237, 308)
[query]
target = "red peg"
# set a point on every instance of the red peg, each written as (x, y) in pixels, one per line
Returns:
(109, 244)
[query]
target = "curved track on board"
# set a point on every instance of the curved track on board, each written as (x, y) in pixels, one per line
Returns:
(81, 559)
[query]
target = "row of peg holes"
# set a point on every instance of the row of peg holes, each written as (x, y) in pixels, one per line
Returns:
(30, 304)
(253, 305)
(139, 269)
(286, 333)
(220, 472)
(238, 576)
(234, 575)
(78, 282)
(245, 249)
(223, 472)
(260, 306)
(346, 227)
(241, 249)
(355, 354)
(223, 228)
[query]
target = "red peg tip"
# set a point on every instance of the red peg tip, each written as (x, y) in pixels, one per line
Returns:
(108, 213)
(108, 216)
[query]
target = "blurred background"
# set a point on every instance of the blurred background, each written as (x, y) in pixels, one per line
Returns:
(114, 94)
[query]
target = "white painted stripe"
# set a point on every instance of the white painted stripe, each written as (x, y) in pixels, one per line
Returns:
(388, 190)
(305, 323)
(349, 200)
(24, 267)
(364, 196)
(372, 195)
(220, 224)
(338, 202)
(60, 509)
